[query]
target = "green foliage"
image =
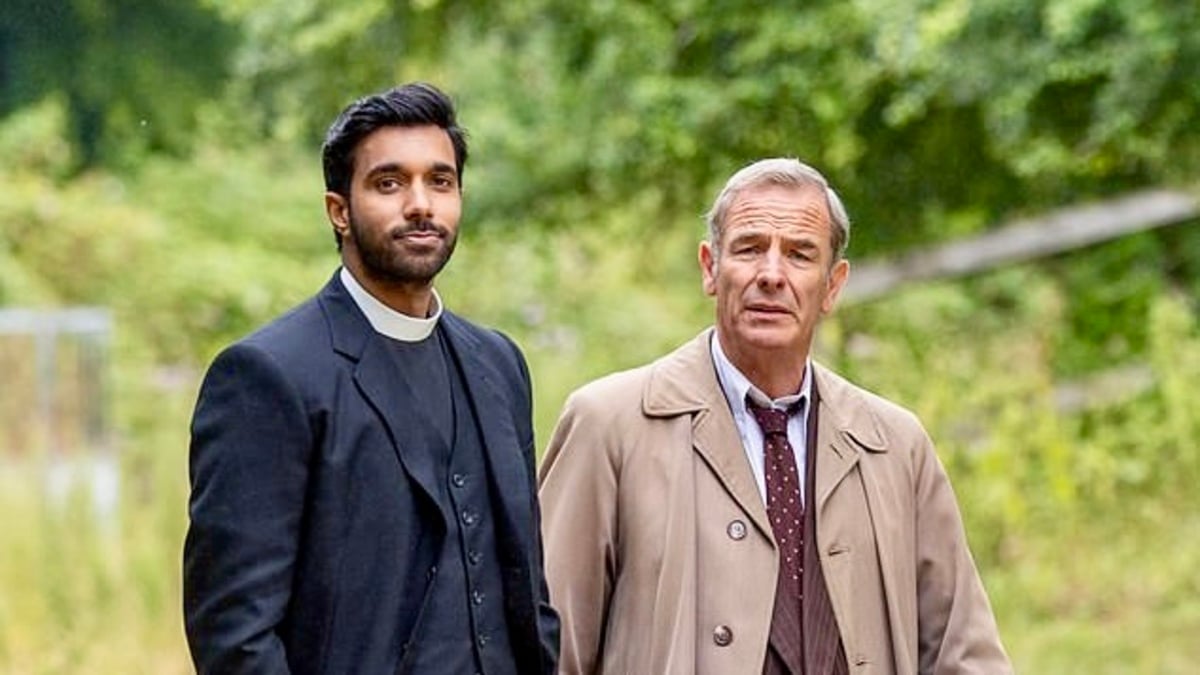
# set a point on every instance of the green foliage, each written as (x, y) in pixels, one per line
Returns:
(131, 72)
(600, 132)
(944, 112)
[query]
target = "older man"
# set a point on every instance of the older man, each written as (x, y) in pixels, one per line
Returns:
(734, 507)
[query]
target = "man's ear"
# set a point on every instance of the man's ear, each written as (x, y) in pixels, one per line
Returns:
(837, 279)
(338, 211)
(708, 267)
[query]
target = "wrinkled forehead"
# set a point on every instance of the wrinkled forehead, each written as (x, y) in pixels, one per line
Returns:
(802, 208)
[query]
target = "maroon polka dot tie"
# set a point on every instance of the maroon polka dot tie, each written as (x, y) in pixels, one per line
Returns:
(784, 508)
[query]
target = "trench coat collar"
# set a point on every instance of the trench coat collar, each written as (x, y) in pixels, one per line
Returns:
(846, 427)
(685, 383)
(843, 408)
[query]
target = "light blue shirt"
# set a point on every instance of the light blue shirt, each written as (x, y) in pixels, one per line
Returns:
(736, 386)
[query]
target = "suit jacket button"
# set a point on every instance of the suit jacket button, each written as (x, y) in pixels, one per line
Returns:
(736, 530)
(722, 636)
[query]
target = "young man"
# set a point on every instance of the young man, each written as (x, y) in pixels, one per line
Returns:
(363, 497)
(735, 507)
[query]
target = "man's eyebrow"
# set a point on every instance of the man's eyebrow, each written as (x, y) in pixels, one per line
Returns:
(397, 167)
(386, 167)
(805, 241)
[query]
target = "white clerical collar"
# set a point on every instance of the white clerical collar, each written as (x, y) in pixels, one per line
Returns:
(737, 386)
(387, 321)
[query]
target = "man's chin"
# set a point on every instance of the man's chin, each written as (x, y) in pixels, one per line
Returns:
(772, 338)
(418, 272)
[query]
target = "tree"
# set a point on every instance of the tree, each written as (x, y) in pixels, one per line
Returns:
(130, 73)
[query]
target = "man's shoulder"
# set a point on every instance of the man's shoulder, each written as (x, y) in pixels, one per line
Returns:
(670, 381)
(854, 403)
(622, 387)
(293, 331)
(462, 326)
(296, 345)
(489, 344)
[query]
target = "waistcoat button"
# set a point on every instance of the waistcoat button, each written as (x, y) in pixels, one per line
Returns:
(722, 636)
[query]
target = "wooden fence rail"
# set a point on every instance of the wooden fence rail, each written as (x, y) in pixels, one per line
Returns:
(1056, 232)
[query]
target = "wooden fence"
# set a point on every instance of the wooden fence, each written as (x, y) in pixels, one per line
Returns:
(1024, 240)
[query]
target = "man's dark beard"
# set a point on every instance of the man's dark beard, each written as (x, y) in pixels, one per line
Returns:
(386, 263)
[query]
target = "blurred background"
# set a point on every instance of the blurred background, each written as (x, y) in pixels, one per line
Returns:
(1023, 176)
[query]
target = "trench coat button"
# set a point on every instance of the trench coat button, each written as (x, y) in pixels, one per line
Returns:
(722, 636)
(736, 530)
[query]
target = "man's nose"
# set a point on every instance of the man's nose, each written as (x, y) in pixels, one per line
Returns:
(770, 271)
(417, 206)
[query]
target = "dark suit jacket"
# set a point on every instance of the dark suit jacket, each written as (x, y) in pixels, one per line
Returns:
(313, 526)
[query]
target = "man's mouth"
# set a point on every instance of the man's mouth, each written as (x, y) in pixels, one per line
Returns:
(767, 309)
(424, 230)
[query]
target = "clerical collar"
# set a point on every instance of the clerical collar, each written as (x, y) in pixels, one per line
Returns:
(387, 321)
(736, 386)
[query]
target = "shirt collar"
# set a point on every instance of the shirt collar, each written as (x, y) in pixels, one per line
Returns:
(736, 386)
(387, 321)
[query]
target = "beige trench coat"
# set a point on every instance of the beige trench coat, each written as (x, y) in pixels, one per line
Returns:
(660, 558)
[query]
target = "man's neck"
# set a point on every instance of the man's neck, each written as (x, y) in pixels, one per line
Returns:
(777, 373)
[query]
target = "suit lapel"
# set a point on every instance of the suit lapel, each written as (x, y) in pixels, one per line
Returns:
(391, 396)
(380, 383)
(490, 408)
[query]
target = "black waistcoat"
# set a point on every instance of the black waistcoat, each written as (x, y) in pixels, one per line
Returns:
(462, 627)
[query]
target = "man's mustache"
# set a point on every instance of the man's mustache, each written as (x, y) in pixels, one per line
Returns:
(420, 226)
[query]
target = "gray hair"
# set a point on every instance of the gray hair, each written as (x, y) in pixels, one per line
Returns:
(779, 171)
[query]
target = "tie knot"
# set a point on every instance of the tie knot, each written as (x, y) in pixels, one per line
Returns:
(771, 421)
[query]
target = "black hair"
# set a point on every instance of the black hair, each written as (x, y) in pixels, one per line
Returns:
(409, 105)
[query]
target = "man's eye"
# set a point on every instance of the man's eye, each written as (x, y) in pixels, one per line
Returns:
(388, 184)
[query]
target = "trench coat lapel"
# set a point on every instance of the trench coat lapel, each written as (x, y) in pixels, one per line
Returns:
(846, 432)
(845, 429)
(836, 455)
(684, 383)
(381, 385)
